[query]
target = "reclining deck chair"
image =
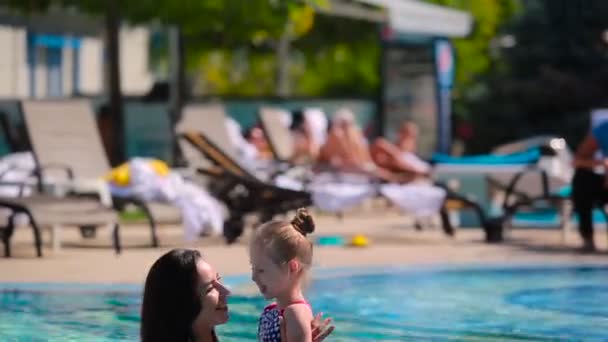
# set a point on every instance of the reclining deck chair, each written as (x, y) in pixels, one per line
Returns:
(326, 194)
(232, 182)
(528, 173)
(281, 143)
(278, 136)
(49, 211)
(44, 210)
(282, 146)
(64, 133)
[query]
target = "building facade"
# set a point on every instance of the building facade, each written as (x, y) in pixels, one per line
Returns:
(43, 58)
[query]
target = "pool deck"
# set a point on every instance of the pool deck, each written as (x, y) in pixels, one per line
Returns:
(393, 242)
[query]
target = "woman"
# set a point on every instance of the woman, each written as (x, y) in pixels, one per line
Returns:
(309, 131)
(401, 157)
(346, 149)
(256, 137)
(184, 299)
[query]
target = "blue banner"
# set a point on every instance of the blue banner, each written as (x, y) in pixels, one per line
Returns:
(445, 64)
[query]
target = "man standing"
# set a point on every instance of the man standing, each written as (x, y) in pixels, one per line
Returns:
(590, 182)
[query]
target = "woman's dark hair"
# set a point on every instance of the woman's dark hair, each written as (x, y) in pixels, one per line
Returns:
(170, 302)
(297, 119)
(247, 132)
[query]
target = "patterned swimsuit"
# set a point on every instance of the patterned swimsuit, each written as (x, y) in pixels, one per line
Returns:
(269, 329)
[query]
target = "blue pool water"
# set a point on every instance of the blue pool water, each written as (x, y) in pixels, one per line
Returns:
(557, 303)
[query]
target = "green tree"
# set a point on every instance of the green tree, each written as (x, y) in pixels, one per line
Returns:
(475, 53)
(265, 39)
(278, 22)
(338, 56)
(549, 78)
(342, 58)
(477, 60)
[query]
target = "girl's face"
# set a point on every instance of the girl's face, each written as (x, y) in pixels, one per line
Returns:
(271, 279)
(212, 294)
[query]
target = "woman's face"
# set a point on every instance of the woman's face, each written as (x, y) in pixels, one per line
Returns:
(212, 294)
(257, 138)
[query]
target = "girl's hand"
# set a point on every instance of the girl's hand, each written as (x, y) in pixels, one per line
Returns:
(320, 328)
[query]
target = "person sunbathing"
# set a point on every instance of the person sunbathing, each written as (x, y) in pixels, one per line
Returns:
(309, 132)
(256, 137)
(347, 150)
(243, 148)
(401, 156)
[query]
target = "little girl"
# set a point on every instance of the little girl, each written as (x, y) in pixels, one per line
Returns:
(280, 257)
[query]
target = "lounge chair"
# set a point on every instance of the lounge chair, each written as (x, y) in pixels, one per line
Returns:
(44, 210)
(243, 191)
(279, 137)
(54, 212)
(64, 133)
(547, 154)
(12, 127)
(281, 144)
(327, 194)
(527, 172)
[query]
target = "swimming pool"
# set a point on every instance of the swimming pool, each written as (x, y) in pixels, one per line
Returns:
(568, 303)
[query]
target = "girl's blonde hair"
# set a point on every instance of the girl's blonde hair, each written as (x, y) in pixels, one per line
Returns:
(284, 241)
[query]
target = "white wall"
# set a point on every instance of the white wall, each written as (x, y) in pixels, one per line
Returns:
(134, 60)
(67, 68)
(7, 81)
(21, 68)
(14, 78)
(14, 70)
(41, 73)
(91, 66)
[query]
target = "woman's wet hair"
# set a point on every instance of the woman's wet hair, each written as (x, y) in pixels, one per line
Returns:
(297, 120)
(247, 132)
(171, 300)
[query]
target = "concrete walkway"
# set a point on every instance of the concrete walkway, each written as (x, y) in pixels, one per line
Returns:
(393, 242)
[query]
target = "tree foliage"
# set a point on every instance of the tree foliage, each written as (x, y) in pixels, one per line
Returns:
(235, 20)
(337, 57)
(550, 79)
(475, 53)
(214, 29)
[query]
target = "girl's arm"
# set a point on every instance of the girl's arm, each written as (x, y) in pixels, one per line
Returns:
(298, 320)
(321, 328)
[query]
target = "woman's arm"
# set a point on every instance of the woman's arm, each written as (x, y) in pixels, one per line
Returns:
(298, 320)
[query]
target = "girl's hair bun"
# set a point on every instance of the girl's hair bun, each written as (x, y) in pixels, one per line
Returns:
(303, 222)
